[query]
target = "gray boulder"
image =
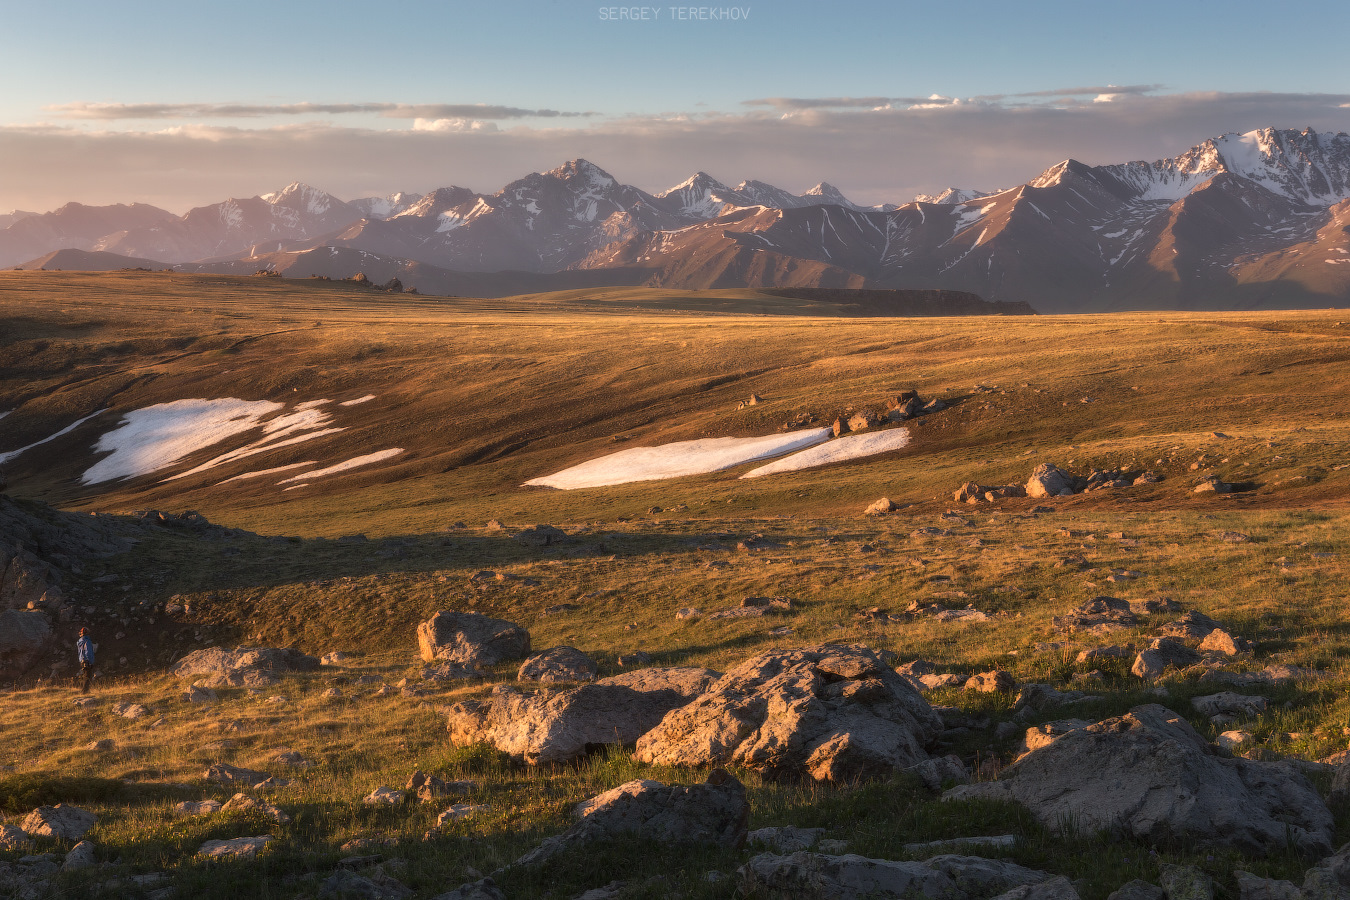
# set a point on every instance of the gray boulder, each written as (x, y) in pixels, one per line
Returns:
(81, 856)
(1193, 627)
(850, 877)
(1340, 784)
(541, 536)
(547, 727)
(715, 812)
(25, 634)
(786, 838)
(12, 837)
(1162, 654)
(1330, 878)
(1148, 775)
(1059, 888)
(1185, 883)
(376, 885)
(1137, 890)
(1049, 481)
(1253, 887)
(834, 712)
(243, 666)
(1229, 703)
(236, 848)
(558, 664)
(63, 822)
(687, 681)
(470, 639)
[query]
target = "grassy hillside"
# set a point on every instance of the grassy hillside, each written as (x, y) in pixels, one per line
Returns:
(484, 395)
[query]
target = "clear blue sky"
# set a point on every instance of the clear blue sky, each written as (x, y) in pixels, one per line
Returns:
(123, 101)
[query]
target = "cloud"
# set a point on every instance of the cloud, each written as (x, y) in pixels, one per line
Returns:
(873, 155)
(119, 111)
(933, 101)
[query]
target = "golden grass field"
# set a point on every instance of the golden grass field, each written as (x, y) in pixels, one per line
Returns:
(484, 395)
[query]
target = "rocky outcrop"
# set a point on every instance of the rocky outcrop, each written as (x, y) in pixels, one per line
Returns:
(1149, 775)
(548, 727)
(833, 712)
(715, 812)
(823, 877)
(63, 822)
(687, 681)
(470, 639)
(558, 664)
(1049, 481)
(243, 666)
(1162, 654)
(25, 635)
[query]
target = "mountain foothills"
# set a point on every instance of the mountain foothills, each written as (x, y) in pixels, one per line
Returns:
(1260, 219)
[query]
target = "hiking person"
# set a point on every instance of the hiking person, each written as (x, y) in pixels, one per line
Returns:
(84, 649)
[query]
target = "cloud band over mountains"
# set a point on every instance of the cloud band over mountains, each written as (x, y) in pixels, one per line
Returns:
(875, 152)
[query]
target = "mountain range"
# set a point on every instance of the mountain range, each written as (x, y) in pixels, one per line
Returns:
(1242, 220)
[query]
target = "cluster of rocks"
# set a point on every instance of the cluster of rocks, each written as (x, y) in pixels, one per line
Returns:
(899, 407)
(253, 667)
(1048, 480)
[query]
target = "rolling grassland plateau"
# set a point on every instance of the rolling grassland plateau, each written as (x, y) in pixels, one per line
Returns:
(358, 461)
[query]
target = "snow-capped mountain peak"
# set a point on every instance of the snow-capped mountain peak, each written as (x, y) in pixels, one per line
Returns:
(952, 196)
(700, 196)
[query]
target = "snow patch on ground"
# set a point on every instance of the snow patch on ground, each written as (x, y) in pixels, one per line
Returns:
(158, 436)
(678, 459)
(357, 401)
(853, 446)
(356, 462)
(6, 457)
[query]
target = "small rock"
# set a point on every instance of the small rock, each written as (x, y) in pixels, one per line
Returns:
(881, 507)
(1137, 890)
(1162, 654)
(335, 658)
(223, 773)
(196, 808)
(197, 694)
(560, 664)
(458, 811)
(81, 856)
(100, 745)
(991, 682)
(1185, 883)
(785, 839)
(239, 848)
(688, 612)
(1230, 740)
(383, 796)
(1252, 887)
(243, 803)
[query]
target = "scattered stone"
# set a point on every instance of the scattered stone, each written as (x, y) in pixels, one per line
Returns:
(81, 856)
(335, 658)
(1147, 478)
(636, 658)
(483, 889)
(1212, 485)
(428, 787)
(12, 837)
(939, 682)
(224, 773)
(458, 811)
(1149, 775)
(198, 694)
(100, 746)
(1185, 883)
(1160, 655)
(785, 839)
(850, 716)
(383, 796)
(1098, 654)
(471, 639)
(245, 803)
(345, 884)
(238, 848)
(715, 812)
(991, 682)
(1193, 626)
(1220, 641)
(196, 808)
(1228, 703)
(1232, 739)
(881, 507)
(1036, 698)
(1099, 615)
(237, 667)
(544, 727)
(688, 612)
(1252, 887)
(62, 821)
(560, 664)
(130, 710)
(937, 772)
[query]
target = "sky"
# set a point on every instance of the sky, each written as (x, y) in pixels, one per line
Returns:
(183, 104)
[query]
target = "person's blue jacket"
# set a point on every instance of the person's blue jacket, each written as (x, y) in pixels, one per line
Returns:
(85, 648)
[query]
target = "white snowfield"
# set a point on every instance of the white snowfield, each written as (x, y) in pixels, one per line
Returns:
(354, 463)
(264, 472)
(852, 446)
(6, 457)
(158, 436)
(289, 428)
(678, 459)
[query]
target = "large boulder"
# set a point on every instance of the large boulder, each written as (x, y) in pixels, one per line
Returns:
(850, 877)
(1162, 654)
(687, 681)
(558, 664)
(243, 666)
(1049, 481)
(833, 712)
(63, 822)
(471, 639)
(715, 812)
(25, 635)
(1149, 775)
(547, 727)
